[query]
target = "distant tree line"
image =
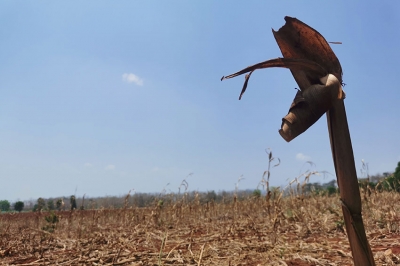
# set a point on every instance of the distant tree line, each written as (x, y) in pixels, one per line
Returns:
(381, 182)
(384, 182)
(5, 206)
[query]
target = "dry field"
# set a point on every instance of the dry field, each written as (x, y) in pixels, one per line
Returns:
(291, 230)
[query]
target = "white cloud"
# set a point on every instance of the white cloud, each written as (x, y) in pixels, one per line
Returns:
(88, 165)
(302, 157)
(132, 78)
(110, 167)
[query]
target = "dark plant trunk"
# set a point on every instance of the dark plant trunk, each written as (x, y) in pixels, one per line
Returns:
(346, 174)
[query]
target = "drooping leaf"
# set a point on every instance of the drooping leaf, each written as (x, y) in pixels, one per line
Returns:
(291, 63)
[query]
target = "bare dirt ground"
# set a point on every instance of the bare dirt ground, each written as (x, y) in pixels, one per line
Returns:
(294, 231)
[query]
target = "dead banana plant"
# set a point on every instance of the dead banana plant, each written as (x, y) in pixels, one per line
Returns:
(318, 73)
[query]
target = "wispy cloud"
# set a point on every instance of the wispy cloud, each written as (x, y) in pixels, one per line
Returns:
(132, 78)
(88, 165)
(302, 157)
(110, 167)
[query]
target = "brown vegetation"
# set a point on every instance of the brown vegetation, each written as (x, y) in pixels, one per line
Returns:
(292, 230)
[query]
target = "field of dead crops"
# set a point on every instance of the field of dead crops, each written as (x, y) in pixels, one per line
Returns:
(292, 230)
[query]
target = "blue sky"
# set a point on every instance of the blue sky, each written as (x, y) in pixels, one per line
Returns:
(101, 97)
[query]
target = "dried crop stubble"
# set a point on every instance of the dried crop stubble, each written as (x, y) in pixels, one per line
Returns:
(293, 230)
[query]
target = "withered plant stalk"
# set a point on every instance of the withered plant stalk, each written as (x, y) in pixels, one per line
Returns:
(318, 73)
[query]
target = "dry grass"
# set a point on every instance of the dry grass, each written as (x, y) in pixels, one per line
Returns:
(282, 231)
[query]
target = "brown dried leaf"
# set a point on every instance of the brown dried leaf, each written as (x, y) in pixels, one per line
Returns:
(291, 63)
(298, 40)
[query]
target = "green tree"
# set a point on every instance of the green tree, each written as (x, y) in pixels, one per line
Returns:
(50, 205)
(256, 193)
(41, 203)
(19, 206)
(60, 204)
(331, 190)
(397, 172)
(72, 201)
(5, 205)
(211, 195)
(392, 182)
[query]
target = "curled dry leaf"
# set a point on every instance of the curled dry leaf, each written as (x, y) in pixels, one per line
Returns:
(310, 63)
(291, 63)
(308, 106)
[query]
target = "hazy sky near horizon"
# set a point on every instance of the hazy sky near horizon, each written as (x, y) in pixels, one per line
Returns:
(103, 97)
